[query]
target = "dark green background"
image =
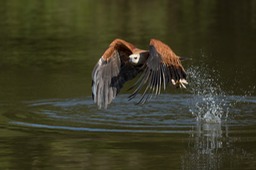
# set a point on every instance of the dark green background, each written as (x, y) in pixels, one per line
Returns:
(48, 48)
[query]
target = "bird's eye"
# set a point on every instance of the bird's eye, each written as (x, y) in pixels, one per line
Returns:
(135, 58)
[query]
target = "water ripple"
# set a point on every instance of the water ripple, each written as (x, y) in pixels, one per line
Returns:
(166, 114)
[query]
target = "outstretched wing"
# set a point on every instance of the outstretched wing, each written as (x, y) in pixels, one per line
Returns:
(111, 72)
(162, 67)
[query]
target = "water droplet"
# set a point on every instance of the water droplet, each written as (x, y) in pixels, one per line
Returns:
(209, 103)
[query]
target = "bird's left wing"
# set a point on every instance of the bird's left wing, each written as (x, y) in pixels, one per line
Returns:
(161, 68)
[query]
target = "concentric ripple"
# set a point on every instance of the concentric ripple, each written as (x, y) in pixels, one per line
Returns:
(165, 114)
(122, 116)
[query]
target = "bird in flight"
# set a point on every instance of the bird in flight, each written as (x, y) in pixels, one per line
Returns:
(122, 61)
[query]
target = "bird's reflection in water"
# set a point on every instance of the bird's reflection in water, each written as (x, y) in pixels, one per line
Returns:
(206, 144)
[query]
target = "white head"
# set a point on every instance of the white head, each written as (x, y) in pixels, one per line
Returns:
(139, 58)
(134, 58)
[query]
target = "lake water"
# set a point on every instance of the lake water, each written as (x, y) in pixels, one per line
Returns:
(49, 121)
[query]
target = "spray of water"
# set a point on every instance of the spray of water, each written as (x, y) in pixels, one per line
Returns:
(208, 103)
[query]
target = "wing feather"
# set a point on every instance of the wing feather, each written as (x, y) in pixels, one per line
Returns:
(111, 72)
(162, 67)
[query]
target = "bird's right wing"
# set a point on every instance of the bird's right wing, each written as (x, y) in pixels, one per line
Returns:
(111, 72)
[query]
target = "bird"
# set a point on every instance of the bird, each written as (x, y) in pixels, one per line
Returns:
(122, 61)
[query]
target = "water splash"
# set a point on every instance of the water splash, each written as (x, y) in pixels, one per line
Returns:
(208, 104)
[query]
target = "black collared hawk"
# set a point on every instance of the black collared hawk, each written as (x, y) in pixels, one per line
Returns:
(122, 61)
